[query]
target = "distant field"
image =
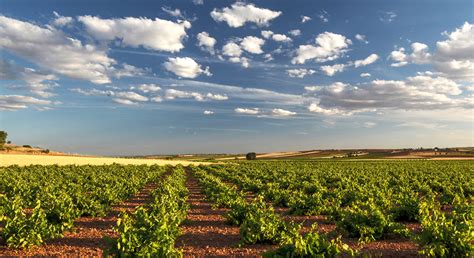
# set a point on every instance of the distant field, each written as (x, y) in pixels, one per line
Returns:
(25, 160)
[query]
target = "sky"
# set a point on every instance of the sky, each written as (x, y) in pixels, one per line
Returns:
(202, 76)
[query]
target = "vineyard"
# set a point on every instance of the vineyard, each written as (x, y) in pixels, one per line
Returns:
(259, 208)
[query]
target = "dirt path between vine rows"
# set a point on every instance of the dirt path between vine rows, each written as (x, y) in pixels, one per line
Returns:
(86, 239)
(206, 233)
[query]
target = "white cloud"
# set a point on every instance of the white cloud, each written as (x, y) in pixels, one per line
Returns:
(369, 60)
(299, 72)
(62, 21)
(216, 96)
(362, 38)
(369, 124)
(421, 92)
(363, 75)
(198, 2)
(156, 99)
(16, 102)
(157, 34)
(315, 108)
(128, 71)
(330, 70)
(252, 44)
(52, 49)
(146, 88)
(295, 32)
(268, 57)
(130, 95)
(175, 13)
(248, 111)
(387, 16)
(329, 46)
(93, 92)
(282, 112)
(266, 33)
(305, 19)
(281, 38)
(323, 16)
(242, 60)
(455, 56)
(419, 55)
(171, 94)
(126, 102)
(206, 42)
(36, 82)
(231, 49)
(240, 13)
(185, 67)
(208, 112)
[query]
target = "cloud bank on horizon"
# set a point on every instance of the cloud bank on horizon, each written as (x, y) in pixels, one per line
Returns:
(246, 62)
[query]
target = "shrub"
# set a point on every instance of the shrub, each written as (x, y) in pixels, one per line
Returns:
(251, 156)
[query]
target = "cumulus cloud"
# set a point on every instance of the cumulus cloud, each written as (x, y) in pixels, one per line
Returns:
(16, 102)
(330, 70)
(368, 60)
(157, 34)
(52, 49)
(454, 56)
(130, 95)
(329, 46)
(206, 42)
(248, 111)
(421, 92)
(178, 94)
(268, 34)
(419, 55)
(362, 38)
(231, 49)
(299, 72)
(149, 88)
(208, 112)
(363, 75)
(282, 112)
(305, 19)
(281, 38)
(240, 13)
(252, 44)
(62, 21)
(185, 67)
(295, 32)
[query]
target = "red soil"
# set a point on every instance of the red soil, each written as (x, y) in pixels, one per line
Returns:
(206, 233)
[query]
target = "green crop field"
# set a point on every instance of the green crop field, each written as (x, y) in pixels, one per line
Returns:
(426, 205)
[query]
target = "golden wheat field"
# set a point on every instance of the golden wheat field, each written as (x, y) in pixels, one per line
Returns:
(25, 160)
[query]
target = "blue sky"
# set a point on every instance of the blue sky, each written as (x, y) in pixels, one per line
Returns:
(151, 77)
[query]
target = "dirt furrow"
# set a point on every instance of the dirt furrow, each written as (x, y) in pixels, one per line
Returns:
(86, 239)
(206, 233)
